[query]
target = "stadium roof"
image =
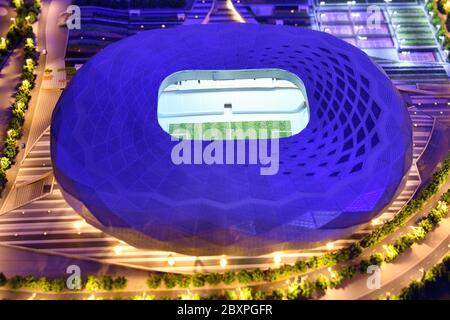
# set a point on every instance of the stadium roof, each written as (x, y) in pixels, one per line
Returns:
(113, 160)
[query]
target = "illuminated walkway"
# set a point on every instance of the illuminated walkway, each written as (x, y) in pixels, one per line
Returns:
(223, 11)
(199, 11)
(6, 13)
(9, 79)
(406, 268)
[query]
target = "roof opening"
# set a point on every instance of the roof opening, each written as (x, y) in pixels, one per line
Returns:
(232, 104)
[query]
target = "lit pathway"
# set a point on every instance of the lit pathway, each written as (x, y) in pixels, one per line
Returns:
(439, 111)
(223, 11)
(399, 274)
(9, 79)
(11, 71)
(199, 11)
(46, 92)
(6, 13)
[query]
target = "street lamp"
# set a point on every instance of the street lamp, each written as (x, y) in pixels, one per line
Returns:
(375, 222)
(170, 260)
(118, 250)
(277, 258)
(77, 226)
(332, 274)
(422, 271)
(223, 261)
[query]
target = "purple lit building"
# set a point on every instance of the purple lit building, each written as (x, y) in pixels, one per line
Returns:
(113, 161)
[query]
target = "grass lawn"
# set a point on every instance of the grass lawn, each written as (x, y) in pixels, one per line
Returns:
(231, 130)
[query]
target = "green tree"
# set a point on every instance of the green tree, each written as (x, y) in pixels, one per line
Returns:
(307, 289)
(106, 283)
(257, 275)
(270, 275)
(154, 280)
(92, 284)
(17, 282)
(322, 282)
(231, 295)
(301, 266)
(183, 280)
(229, 277)
(259, 295)
(244, 276)
(120, 283)
(214, 278)
(363, 265)
(198, 280)
(57, 285)
(43, 284)
(278, 294)
(246, 294)
(170, 280)
(376, 259)
(3, 279)
(348, 272)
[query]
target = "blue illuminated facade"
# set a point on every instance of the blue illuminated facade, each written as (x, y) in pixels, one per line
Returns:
(113, 160)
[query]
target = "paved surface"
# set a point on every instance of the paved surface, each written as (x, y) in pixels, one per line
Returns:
(40, 31)
(9, 79)
(199, 11)
(223, 11)
(6, 13)
(10, 74)
(395, 276)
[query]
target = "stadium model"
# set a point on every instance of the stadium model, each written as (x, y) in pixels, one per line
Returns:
(347, 148)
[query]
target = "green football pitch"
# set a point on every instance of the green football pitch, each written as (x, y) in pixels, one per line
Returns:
(231, 130)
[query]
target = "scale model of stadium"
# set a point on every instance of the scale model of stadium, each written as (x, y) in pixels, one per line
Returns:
(113, 160)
